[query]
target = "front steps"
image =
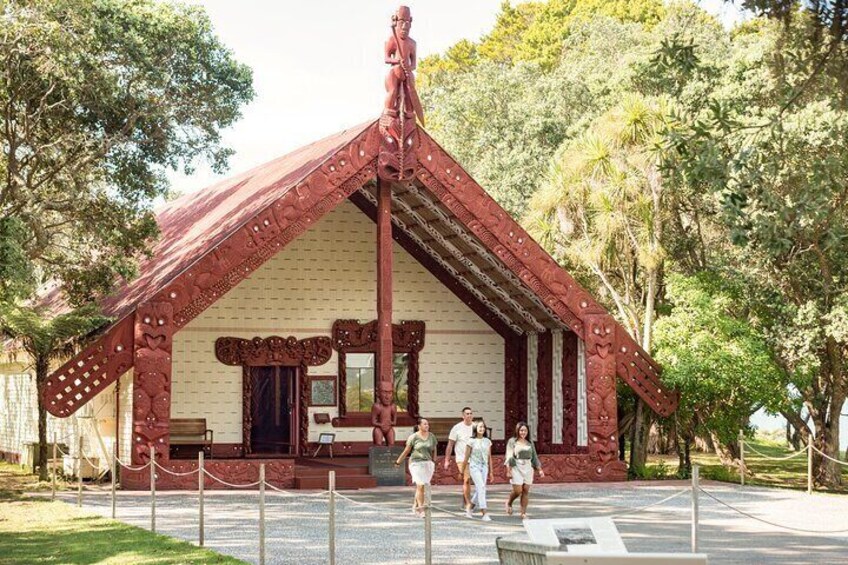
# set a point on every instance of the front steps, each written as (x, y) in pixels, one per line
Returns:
(351, 473)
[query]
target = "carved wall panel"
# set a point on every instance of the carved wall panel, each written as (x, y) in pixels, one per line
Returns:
(278, 472)
(544, 385)
(152, 381)
(556, 383)
(515, 382)
(274, 350)
(569, 392)
(601, 394)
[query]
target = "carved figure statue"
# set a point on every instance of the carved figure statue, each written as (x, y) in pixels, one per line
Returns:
(384, 416)
(402, 106)
(401, 54)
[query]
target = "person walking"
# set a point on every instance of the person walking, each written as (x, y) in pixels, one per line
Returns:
(421, 448)
(478, 459)
(458, 442)
(521, 460)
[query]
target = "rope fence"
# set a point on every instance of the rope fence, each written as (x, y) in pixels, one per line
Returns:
(398, 513)
(808, 450)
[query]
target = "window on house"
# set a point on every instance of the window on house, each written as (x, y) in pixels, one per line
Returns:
(361, 380)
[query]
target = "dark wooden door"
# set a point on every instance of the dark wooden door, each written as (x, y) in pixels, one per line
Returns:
(271, 406)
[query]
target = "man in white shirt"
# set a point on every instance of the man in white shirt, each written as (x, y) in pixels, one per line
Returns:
(458, 441)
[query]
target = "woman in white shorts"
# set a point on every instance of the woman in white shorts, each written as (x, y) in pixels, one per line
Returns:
(421, 448)
(521, 461)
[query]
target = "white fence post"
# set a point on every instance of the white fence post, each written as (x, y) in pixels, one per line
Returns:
(428, 526)
(695, 486)
(810, 464)
(79, 473)
(262, 514)
(200, 493)
(742, 458)
(112, 472)
(332, 521)
(153, 489)
(53, 494)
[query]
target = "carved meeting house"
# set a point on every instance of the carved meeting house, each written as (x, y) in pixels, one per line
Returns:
(278, 304)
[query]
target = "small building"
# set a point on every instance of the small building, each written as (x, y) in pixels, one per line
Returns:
(279, 304)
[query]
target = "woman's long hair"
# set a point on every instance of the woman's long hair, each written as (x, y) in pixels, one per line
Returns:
(475, 433)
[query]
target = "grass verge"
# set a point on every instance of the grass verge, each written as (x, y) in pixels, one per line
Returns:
(35, 530)
(791, 473)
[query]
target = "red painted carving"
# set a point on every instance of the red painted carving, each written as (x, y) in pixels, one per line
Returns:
(278, 472)
(544, 391)
(398, 129)
(88, 373)
(152, 381)
(601, 396)
(274, 350)
(246, 409)
(569, 392)
(351, 336)
(466, 200)
(515, 382)
(384, 416)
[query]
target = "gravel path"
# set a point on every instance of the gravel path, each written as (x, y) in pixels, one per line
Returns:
(297, 526)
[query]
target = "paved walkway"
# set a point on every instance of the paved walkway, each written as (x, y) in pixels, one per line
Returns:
(390, 534)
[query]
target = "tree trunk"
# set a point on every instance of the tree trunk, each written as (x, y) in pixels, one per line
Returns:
(826, 472)
(728, 454)
(42, 367)
(639, 438)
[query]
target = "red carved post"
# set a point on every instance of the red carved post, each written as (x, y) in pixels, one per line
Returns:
(152, 381)
(569, 392)
(601, 401)
(384, 412)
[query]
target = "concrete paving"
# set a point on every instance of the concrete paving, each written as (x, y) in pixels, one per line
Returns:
(296, 530)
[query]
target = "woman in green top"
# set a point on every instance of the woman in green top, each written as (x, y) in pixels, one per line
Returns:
(422, 446)
(521, 460)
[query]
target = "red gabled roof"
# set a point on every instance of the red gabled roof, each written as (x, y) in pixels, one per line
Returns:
(214, 238)
(199, 221)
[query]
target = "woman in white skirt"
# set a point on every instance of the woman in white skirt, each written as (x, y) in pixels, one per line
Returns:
(421, 448)
(521, 461)
(478, 458)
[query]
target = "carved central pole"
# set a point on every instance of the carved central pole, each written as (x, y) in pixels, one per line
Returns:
(384, 403)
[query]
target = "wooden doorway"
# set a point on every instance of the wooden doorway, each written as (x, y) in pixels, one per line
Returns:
(273, 410)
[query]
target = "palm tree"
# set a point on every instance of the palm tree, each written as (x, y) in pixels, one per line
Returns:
(601, 208)
(45, 341)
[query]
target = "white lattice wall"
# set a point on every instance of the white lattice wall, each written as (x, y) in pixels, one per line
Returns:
(329, 273)
(19, 417)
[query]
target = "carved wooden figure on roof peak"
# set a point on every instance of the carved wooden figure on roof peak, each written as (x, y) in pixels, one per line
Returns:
(398, 126)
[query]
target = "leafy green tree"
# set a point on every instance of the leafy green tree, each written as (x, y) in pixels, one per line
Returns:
(98, 99)
(603, 209)
(720, 363)
(770, 144)
(46, 341)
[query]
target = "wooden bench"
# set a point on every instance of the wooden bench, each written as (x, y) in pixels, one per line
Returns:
(192, 431)
(441, 427)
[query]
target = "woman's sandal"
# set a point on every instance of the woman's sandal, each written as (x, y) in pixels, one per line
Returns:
(508, 507)
(523, 516)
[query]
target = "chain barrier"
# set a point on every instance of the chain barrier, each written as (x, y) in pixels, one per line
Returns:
(296, 495)
(770, 458)
(826, 456)
(764, 521)
(647, 506)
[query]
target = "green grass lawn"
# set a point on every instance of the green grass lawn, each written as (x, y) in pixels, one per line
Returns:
(791, 473)
(35, 530)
